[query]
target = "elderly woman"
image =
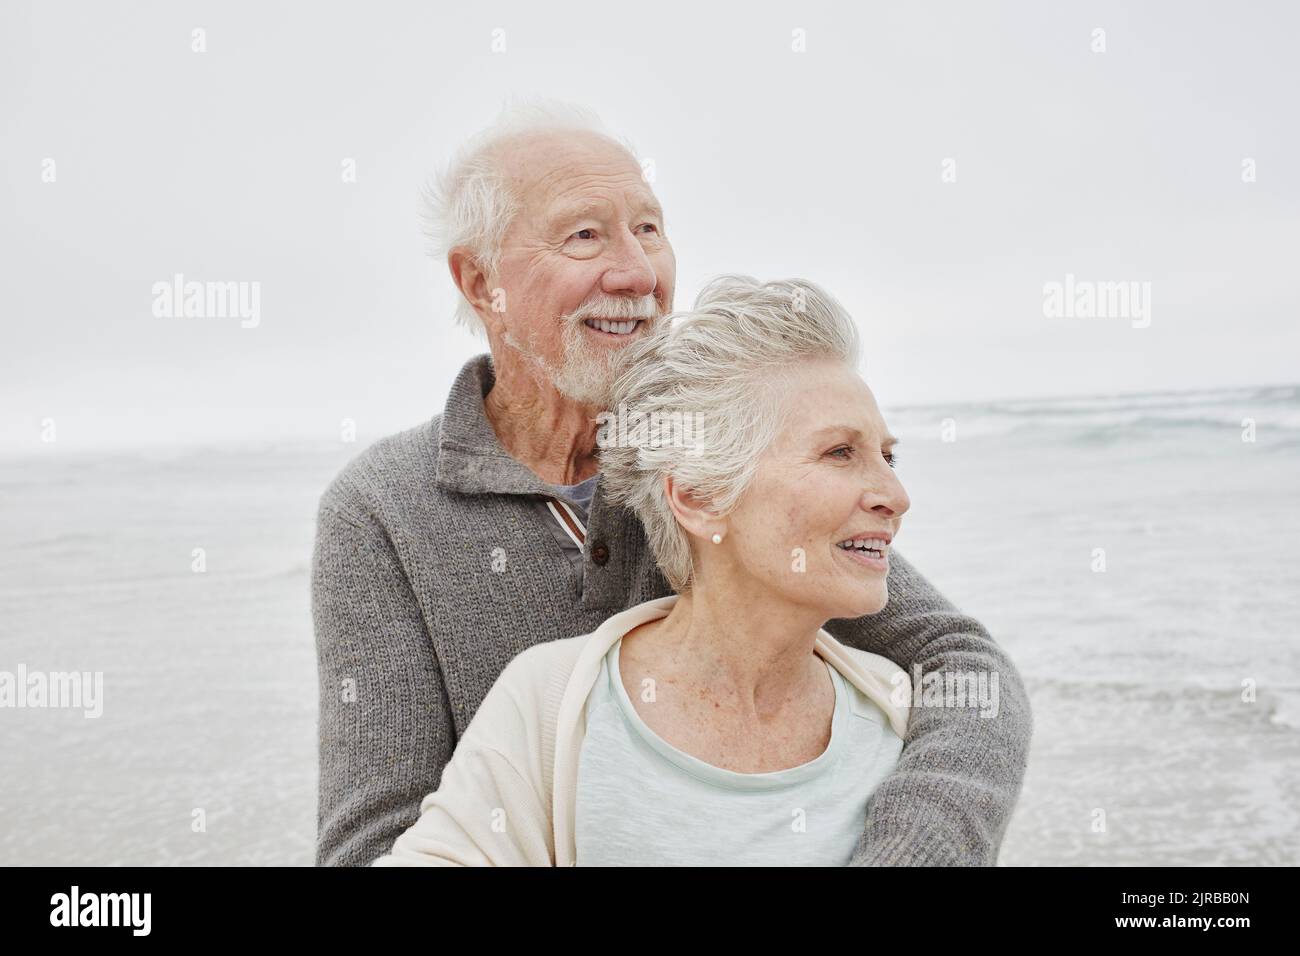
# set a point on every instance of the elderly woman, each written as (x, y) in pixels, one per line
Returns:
(721, 724)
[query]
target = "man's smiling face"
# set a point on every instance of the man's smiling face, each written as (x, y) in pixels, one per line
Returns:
(588, 246)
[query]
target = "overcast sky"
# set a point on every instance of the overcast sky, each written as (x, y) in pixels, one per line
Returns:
(1122, 165)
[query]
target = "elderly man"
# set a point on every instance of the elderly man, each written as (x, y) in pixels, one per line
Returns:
(444, 551)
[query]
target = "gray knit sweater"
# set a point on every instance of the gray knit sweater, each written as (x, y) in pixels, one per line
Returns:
(433, 567)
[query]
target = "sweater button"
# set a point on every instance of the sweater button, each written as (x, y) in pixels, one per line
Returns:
(599, 554)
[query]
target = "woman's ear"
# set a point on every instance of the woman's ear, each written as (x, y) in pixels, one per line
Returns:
(694, 514)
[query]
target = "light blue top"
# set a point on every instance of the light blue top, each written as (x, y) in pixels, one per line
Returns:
(643, 802)
(581, 493)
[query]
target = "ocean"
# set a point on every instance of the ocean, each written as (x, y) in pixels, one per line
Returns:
(1136, 557)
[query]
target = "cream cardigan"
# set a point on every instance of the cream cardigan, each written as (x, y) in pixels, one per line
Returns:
(507, 796)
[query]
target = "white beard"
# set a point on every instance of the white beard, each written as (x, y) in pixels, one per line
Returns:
(585, 375)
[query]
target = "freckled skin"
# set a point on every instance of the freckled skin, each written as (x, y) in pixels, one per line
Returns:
(771, 698)
(556, 257)
(823, 498)
(741, 641)
(545, 271)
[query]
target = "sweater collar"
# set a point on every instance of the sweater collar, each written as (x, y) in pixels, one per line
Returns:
(471, 460)
(470, 457)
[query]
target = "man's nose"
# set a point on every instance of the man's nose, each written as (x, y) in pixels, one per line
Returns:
(630, 273)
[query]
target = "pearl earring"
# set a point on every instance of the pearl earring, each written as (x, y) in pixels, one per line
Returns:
(717, 538)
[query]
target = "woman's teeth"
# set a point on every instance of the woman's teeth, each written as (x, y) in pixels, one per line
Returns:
(617, 328)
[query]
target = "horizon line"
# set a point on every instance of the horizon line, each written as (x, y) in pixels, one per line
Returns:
(1064, 396)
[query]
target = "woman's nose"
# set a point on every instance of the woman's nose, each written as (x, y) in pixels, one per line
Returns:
(888, 498)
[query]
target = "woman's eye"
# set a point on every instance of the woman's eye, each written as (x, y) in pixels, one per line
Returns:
(589, 234)
(845, 452)
(650, 225)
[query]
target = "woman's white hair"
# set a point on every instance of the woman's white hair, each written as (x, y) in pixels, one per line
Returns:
(470, 203)
(722, 368)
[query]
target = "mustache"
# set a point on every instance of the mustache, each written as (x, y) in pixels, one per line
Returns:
(616, 307)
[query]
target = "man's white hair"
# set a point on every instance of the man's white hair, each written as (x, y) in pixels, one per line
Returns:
(723, 366)
(470, 203)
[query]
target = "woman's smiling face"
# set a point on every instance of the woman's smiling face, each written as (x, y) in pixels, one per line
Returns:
(827, 479)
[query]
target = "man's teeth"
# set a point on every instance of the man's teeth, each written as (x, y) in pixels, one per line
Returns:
(865, 544)
(618, 328)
